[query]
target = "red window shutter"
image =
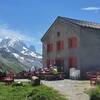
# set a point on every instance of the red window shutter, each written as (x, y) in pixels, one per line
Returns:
(62, 44)
(69, 43)
(72, 61)
(49, 47)
(72, 42)
(58, 45)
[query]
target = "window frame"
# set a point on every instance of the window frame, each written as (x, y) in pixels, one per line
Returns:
(60, 45)
(49, 47)
(73, 42)
(72, 61)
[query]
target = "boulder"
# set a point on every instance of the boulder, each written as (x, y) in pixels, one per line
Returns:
(35, 81)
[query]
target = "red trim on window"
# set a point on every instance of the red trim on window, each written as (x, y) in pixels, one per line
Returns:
(72, 42)
(72, 61)
(49, 47)
(60, 45)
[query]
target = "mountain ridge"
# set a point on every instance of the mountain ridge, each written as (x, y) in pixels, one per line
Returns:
(26, 56)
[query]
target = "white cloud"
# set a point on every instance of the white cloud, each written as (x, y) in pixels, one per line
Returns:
(6, 32)
(96, 9)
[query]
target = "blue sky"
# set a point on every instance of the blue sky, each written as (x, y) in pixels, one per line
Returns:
(30, 19)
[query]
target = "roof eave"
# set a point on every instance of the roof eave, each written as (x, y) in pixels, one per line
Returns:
(42, 39)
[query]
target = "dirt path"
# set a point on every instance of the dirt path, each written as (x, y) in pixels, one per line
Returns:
(73, 90)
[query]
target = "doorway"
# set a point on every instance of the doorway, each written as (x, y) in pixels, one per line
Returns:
(59, 62)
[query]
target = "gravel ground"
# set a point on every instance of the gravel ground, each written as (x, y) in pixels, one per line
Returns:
(73, 90)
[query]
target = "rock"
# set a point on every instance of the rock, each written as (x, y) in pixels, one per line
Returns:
(35, 81)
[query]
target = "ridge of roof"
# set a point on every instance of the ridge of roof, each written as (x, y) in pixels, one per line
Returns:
(82, 22)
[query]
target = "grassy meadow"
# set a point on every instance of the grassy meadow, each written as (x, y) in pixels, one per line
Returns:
(28, 92)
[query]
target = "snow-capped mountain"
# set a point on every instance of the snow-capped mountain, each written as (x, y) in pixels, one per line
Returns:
(32, 48)
(14, 43)
(26, 55)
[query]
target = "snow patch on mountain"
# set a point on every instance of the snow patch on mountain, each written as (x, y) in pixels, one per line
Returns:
(16, 55)
(26, 55)
(25, 48)
(33, 54)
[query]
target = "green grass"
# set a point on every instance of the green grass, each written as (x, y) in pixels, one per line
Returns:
(14, 93)
(28, 92)
(45, 93)
(95, 93)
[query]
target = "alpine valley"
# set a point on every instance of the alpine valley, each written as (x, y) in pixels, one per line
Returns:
(17, 56)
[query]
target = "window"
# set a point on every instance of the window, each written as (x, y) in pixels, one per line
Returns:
(60, 45)
(72, 42)
(49, 47)
(58, 34)
(72, 61)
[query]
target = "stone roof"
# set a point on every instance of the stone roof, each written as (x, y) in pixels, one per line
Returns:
(82, 22)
